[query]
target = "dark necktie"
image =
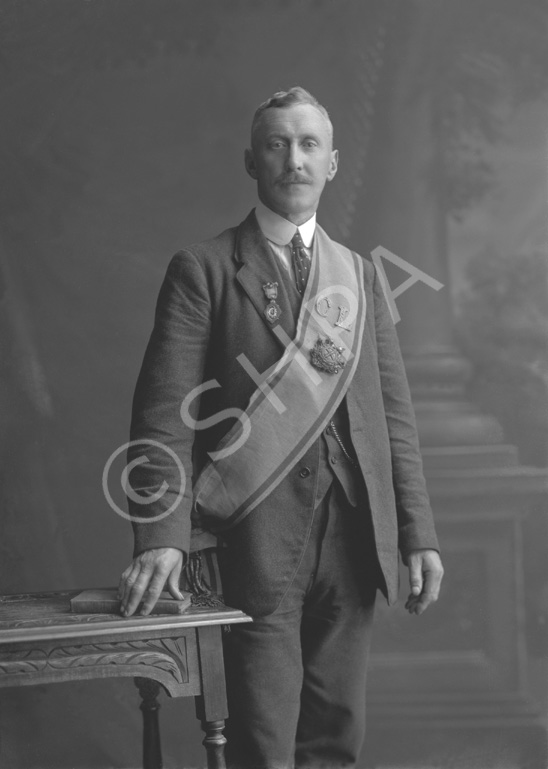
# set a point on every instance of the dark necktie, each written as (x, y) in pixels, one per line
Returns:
(301, 262)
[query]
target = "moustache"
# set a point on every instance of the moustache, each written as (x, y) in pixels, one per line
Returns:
(293, 179)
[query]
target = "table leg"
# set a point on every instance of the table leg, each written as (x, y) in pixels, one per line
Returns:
(152, 749)
(214, 743)
(211, 706)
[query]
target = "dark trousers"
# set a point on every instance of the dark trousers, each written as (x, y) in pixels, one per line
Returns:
(296, 678)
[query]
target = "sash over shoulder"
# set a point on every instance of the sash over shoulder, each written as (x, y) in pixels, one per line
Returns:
(298, 395)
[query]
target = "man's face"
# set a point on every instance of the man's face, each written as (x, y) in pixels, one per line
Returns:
(292, 158)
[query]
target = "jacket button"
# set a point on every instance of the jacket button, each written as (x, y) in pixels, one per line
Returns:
(328, 431)
(305, 472)
(333, 460)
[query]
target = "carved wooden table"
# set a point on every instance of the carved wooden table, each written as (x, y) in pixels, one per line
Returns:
(42, 642)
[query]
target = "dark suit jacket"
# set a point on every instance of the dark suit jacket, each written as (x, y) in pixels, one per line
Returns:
(209, 311)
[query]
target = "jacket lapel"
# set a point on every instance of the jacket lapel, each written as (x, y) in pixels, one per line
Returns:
(258, 267)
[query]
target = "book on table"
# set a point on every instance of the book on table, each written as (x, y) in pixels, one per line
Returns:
(105, 601)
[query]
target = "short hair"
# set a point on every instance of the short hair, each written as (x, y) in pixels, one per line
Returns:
(281, 99)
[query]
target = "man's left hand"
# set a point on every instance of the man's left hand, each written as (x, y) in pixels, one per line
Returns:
(425, 575)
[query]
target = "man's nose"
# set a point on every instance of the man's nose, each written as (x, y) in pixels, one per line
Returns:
(294, 160)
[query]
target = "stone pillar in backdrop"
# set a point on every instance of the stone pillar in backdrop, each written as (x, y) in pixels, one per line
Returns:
(466, 670)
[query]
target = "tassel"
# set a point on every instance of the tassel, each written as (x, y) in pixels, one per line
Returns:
(202, 594)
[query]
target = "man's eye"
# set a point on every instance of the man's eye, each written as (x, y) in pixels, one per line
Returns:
(310, 144)
(276, 145)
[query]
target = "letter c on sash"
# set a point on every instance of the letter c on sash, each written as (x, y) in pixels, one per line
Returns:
(323, 305)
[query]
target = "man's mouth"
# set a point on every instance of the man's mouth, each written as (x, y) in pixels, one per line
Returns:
(290, 182)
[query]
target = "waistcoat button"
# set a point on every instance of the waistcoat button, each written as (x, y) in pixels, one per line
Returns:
(305, 472)
(333, 460)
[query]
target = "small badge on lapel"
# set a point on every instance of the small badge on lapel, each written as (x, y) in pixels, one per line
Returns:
(272, 309)
(326, 356)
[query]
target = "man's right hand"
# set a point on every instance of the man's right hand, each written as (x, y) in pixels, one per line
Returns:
(146, 577)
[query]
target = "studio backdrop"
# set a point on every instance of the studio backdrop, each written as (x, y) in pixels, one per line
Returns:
(124, 124)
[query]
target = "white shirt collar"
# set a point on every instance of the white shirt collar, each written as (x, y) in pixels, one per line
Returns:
(279, 230)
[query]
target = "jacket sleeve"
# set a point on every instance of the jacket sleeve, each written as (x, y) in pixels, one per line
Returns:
(160, 481)
(415, 520)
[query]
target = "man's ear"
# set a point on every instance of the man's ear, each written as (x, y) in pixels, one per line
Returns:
(250, 166)
(334, 164)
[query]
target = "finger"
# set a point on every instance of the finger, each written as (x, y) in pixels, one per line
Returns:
(415, 575)
(430, 592)
(137, 590)
(411, 600)
(122, 582)
(412, 603)
(173, 583)
(127, 582)
(153, 591)
(432, 583)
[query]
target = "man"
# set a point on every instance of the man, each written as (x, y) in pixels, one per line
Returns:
(274, 374)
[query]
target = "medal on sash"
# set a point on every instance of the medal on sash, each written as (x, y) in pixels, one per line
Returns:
(272, 309)
(326, 356)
